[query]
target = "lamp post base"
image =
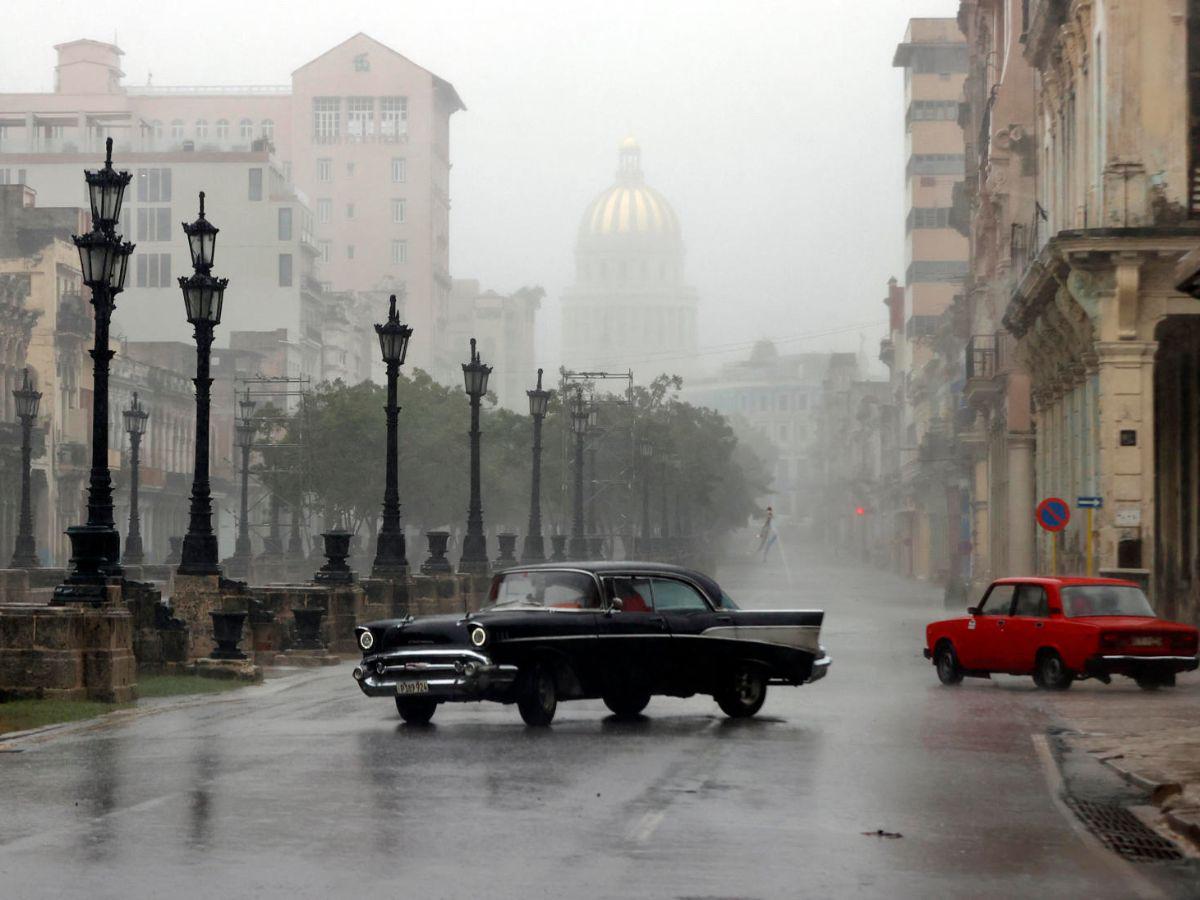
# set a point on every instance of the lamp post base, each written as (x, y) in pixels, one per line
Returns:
(95, 550)
(199, 555)
(391, 559)
(578, 548)
(534, 549)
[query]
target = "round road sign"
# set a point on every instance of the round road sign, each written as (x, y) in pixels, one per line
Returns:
(1053, 514)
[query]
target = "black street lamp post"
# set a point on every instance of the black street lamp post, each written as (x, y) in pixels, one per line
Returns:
(390, 554)
(25, 552)
(474, 554)
(203, 297)
(104, 262)
(579, 424)
(593, 483)
(646, 451)
(243, 439)
(535, 545)
(135, 425)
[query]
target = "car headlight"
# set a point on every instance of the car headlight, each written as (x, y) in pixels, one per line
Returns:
(478, 636)
(366, 640)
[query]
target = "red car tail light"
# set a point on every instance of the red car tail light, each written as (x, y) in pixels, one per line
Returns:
(1184, 643)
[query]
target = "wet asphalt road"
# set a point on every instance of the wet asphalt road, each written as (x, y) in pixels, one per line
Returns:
(305, 788)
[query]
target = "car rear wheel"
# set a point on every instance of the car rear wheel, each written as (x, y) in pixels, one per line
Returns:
(627, 702)
(1154, 682)
(744, 693)
(416, 711)
(1051, 672)
(537, 695)
(949, 672)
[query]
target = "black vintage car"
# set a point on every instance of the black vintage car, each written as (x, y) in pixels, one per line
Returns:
(621, 631)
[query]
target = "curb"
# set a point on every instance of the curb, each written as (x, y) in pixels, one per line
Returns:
(1186, 822)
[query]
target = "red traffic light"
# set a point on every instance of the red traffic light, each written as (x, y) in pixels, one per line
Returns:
(860, 511)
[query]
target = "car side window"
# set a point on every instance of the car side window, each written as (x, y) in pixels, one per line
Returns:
(999, 600)
(634, 593)
(1031, 601)
(670, 594)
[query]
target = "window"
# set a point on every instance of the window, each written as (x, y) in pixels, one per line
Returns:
(928, 217)
(324, 210)
(326, 250)
(783, 401)
(634, 594)
(932, 111)
(675, 595)
(177, 129)
(1105, 600)
(360, 118)
(202, 129)
(153, 270)
(153, 223)
(326, 119)
(285, 270)
(153, 185)
(255, 191)
(936, 164)
(399, 251)
(399, 170)
(564, 590)
(285, 223)
(349, 210)
(393, 117)
(999, 600)
(936, 271)
(268, 129)
(1031, 601)
(397, 212)
(324, 170)
(349, 251)
(783, 432)
(350, 168)
(246, 130)
(156, 128)
(222, 129)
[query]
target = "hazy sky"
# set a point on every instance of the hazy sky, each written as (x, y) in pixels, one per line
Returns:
(774, 128)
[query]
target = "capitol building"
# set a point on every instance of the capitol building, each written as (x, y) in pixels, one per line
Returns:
(629, 307)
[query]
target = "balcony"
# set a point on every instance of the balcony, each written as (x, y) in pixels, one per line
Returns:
(983, 364)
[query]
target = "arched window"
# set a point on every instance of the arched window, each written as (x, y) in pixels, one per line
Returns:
(222, 129)
(202, 128)
(246, 130)
(157, 128)
(177, 130)
(268, 129)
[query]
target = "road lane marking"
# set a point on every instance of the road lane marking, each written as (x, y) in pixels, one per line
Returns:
(641, 830)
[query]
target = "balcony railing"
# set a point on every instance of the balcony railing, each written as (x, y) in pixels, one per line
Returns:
(981, 359)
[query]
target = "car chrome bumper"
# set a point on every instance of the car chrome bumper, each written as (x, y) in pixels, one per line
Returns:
(448, 674)
(1127, 663)
(820, 668)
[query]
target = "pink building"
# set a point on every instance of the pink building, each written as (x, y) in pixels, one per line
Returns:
(361, 131)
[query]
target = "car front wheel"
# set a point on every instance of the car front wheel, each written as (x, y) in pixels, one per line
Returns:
(744, 693)
(537, 695)
(1051, 672)
(949, 672)
(416, 711)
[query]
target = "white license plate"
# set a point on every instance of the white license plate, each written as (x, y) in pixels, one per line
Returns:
(412, 687)
(1146, 642)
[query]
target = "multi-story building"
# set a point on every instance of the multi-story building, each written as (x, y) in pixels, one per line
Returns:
(775, 399)
(997, 214)
(361, 130)
(933, 512)
(630, 306)
(504, 328)
(1109, 344)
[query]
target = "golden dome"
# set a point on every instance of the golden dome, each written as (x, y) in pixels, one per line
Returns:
(630, 207)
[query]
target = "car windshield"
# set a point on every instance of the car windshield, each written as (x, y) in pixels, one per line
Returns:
(548, 589)
(1104, 600)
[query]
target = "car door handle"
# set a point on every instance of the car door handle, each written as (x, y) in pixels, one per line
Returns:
(1037, 624)
(1000, 624)
(724, 620)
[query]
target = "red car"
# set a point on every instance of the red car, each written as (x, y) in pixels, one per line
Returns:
(1060, 629)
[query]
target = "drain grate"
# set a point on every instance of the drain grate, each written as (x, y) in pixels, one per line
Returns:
(1122, 832)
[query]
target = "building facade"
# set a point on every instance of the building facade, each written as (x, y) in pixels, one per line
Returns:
(629, 306)
(361, 131)
(504, 328)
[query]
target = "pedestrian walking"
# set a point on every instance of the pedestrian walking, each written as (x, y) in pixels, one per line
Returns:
(767, 535)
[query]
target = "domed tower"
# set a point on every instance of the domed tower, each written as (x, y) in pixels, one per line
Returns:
(629, 307)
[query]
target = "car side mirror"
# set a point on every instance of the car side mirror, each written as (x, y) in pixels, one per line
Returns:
(972, 610)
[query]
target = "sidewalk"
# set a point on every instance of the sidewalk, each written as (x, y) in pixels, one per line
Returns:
(1165, 762)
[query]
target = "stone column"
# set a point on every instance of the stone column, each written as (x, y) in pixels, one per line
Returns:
(1022, 500)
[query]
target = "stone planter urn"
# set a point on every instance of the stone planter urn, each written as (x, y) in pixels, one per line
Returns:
(595, 548)
(437, 564)
(337, 549)
(175, 556)
(508, 550)
(559, 543)
(308, 629)
(227, 631)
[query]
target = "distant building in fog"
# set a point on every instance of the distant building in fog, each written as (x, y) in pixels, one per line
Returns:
(503, 326)
(776, 397)
(630, 307)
